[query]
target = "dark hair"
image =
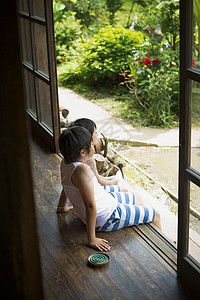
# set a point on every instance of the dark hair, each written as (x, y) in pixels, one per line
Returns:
(72, 141)
(86, 123)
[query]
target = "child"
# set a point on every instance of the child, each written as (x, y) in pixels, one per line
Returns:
(97, 208)
(107, 182)
(111, 184)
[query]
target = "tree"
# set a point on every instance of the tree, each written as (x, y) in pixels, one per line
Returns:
(113, 6)
(169, 20)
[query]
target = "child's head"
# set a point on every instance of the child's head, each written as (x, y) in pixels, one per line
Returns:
(89, 125)
(72, 141)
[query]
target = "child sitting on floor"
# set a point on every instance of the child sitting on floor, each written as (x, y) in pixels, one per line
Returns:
(112, 184)
(98, 209)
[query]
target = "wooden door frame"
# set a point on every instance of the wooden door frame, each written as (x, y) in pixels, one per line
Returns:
(187, 268)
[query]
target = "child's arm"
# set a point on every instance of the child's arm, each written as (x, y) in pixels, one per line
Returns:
(82, 179)
(102, 180)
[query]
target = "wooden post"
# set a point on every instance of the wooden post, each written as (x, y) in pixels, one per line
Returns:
(19, 255)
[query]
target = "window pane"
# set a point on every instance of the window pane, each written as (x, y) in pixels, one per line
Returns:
(22, 5)
(196, 35)
(44, 99)
(30, 92)
(41, 49)
(38, 8)
(26, 41)
(194, 232)
(195, 149)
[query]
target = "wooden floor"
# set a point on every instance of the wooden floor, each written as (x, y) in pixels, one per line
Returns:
(135, 270)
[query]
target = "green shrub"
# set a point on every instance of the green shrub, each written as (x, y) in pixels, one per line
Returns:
(107, 53)
(67, 31)
(160, 98)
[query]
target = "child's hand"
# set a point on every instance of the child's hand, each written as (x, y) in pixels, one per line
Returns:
(100, 244)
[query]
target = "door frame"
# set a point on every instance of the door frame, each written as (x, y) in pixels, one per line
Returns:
(48, 135)
(187, 268)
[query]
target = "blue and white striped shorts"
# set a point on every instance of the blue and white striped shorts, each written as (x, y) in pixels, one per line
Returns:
(111, 188)
(122, 197)
(127, 214)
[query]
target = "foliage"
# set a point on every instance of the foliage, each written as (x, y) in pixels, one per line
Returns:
(67, 31)
(60, 10)
(163, 19)
(109, 51)
(69, 72)
(91, 13)
(197, 23)
(169, 21)
(196, 104)
(159, 99)
(113, 6)
(145, 60)
(155, 87)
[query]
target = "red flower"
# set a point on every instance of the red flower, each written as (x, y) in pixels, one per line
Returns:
(156, 61)
(148, 30)
(193, 63)
(147, 61)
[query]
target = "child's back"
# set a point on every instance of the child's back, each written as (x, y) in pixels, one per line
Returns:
(105, 203)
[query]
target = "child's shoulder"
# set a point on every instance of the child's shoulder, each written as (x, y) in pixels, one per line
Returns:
(82, 166)
(82, 171)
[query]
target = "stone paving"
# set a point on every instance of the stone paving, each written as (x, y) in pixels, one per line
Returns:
(116, 129)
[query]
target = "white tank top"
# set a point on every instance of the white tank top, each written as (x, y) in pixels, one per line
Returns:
(105, 203)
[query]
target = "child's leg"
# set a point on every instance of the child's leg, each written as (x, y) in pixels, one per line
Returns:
(111, 188)
(128, 215)
(63, 206)
(124, 197)
(122, 186)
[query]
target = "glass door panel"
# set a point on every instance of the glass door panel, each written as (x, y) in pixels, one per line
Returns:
(30, 93)
(44, 100)
(38, 9)
(40, 44)
(195, 120)
(23, 6)
(196, 35)
(26, 41)
(194, 231)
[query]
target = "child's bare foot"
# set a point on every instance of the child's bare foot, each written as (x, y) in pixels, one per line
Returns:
(64, 209)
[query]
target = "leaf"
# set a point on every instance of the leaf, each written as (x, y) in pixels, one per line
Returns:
(60, 6)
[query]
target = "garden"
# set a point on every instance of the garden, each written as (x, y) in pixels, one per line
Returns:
(125, 53)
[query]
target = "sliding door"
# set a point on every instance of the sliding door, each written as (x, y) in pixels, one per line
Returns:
(39, 68)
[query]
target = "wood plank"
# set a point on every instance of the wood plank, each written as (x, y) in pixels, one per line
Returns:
(159, 271)
(48, 292)
(160, 244)
(73, 236)
(135, 270)
(67, 262)
(54, 277)
(114, 279)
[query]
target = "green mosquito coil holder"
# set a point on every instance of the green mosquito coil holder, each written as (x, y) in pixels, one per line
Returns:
(98, 260)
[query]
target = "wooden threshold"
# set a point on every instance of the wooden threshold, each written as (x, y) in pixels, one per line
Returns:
(136, 269)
